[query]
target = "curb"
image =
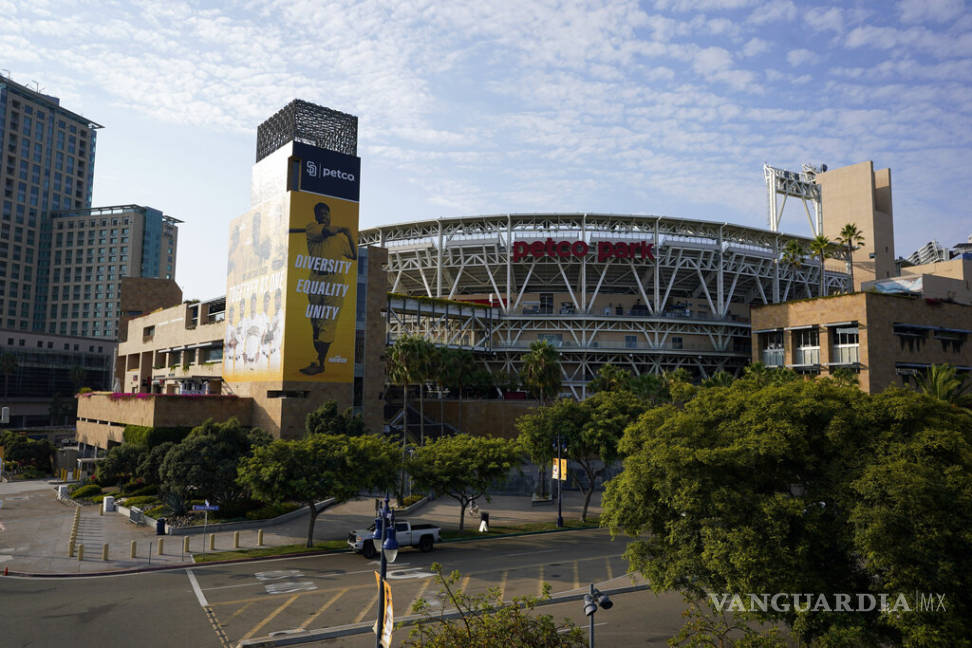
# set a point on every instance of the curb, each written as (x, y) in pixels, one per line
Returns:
(231, 561)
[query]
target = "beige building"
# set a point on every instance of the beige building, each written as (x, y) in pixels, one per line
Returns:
(860, 195)
(885, 338)
(170, 371)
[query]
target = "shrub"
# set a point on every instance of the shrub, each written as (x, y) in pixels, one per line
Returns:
(129, 487)
(268, 511)
(149, 489)
(153, 436)
(86, 491)
(411, 499)
(161, 510)
(97, 499)
(140, 501)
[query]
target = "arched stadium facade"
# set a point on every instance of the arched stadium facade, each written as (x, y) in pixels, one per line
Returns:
(648, 293)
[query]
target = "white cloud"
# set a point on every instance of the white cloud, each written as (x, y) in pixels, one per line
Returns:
(938, 11)
(820, 19)
(800, 57)
(776, 11)
(754, 47)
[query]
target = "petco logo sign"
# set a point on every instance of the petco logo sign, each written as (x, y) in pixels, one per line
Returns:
(565, 249)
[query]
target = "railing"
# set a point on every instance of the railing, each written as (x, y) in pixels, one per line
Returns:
(772, 357)
(845, 354)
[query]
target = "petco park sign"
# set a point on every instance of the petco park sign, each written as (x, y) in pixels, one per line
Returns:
(565, 249)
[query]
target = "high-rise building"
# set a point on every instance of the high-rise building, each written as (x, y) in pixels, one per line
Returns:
(90, 251)
(47, 164)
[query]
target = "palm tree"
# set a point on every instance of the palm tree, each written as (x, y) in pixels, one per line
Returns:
(541, 370)
(944, 383)
(422, 360)
(8, 366)
(541, 375)
(401, 371)
(820, 246)
(793, 254)
(851, 237)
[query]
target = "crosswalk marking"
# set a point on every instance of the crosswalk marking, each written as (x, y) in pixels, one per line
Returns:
(502, 585)
(269, 618)
(576, 574)
(364, 611)
(320, 610)
(540, 579)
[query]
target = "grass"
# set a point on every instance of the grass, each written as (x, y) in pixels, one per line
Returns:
(530, 527)
(337, 545)
(263, 552)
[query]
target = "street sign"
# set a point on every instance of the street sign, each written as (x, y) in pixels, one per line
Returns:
(205, 507)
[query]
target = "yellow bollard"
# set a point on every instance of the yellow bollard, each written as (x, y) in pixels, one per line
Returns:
(260, 538)
(161, 546)
(104, 551)
(212, 541)
(80, 553)
(236, 539)
(70, 548)
(185, 544)
(133, 548)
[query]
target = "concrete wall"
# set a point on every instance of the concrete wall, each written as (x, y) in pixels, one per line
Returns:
(140, 295)
(102, 417)
(880, 348)
(857, 194)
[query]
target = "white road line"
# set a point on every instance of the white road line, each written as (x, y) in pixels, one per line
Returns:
(528, 553)
(195, 588)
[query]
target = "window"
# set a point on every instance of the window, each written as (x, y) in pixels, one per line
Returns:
(771, 348)
(806, 347)
(546, 303)
(845, 347)
(631, 341)
(676, 343)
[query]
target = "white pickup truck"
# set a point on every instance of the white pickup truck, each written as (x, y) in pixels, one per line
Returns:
(423, 536)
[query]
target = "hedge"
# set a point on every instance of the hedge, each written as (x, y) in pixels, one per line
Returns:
(86, 491)
(153, 436)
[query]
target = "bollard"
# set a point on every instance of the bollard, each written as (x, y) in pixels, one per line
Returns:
(133, 548)
(212, 541)
(70, 548)
(236, 539)
(104, 551)
(185, 544)
(80, 552)
(161, 547)
(260, 538)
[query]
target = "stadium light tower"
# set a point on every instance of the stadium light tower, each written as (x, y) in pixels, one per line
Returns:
(800, 185)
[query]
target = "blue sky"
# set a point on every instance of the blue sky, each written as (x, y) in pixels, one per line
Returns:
(663, 107)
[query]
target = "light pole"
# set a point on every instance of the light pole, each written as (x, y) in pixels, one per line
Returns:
(560, 487)
(385, 534)
(591, 602)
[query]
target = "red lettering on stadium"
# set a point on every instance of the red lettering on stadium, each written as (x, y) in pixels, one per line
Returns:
(565, 249)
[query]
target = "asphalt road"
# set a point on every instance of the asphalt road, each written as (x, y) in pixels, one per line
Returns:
(221, 605)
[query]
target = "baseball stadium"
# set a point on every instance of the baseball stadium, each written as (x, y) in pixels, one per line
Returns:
(649, 293)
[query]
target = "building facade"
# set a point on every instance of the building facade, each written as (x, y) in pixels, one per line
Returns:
(48, 156)
(887, 335)
(90, 251)
(647, 293)
(42, 372)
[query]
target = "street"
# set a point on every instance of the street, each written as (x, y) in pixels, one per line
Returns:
(222, 605)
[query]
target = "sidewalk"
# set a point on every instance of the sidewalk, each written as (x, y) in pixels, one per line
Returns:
(35, 529)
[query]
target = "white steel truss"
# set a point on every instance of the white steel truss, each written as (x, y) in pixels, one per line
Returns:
(720, 268)
(799, 185)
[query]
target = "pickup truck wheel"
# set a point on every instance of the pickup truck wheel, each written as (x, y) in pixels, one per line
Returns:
(368, 550)
(425, 543)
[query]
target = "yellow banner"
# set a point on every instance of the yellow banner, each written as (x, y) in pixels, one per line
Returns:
(387, 615)
(322, 272)
(560, 471)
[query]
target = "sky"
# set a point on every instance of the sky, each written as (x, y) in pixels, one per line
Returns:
(661, 107)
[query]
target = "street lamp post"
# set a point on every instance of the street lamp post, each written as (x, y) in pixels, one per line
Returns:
(560, 487)
(385, 534)
(591, 602)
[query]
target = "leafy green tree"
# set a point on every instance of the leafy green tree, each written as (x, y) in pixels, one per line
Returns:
(538, 438)
(778, 486)
(327, 420)
(485, 621)
(120, 464)
(462, 466)
(204, 464)
(912, 511)
(944, 383)
(610, 378)
(8, 366)
(852, 238)
(24, 451)
(459, 371)
(718, 379)
(317, 467)
(821, 247)
(151, 462)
